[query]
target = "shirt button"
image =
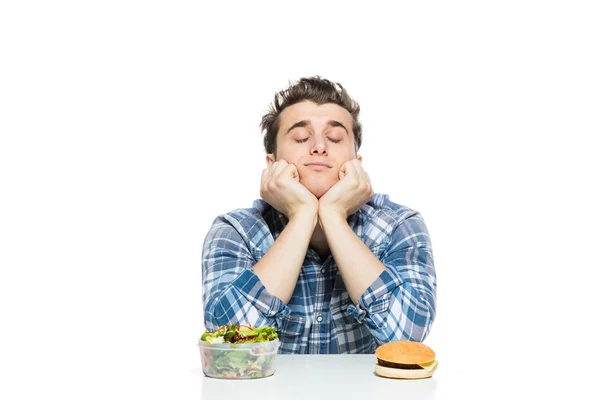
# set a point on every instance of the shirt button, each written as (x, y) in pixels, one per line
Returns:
(322, 270)
(319, 318)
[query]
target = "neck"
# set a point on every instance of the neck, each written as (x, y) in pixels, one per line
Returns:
(318, 242)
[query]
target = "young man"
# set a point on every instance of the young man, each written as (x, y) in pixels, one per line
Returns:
(332, 266)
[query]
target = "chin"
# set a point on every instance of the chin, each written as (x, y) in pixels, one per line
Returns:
(318, 193)
(318, 188)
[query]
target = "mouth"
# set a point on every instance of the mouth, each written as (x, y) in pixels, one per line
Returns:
(317, 166)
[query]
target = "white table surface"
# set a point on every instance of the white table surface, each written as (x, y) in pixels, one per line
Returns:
(353, 377)
(173, 371)
(302, 376)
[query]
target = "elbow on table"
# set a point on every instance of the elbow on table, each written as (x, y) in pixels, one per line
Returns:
(215, 315)
(410, 320)
(419, 332)
(420, 322)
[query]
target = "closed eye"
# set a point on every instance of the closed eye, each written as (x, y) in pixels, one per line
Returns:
(305, 139)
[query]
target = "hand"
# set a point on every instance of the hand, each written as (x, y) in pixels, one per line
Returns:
(280, 187)
(349, 194)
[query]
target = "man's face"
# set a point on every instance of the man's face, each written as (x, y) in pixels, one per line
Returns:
(317, 139)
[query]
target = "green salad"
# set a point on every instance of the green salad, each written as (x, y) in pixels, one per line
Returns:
(239, 352)
(239, 334)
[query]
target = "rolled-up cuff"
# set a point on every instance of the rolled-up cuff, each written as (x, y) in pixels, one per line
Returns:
(250, 286)
(376, 299)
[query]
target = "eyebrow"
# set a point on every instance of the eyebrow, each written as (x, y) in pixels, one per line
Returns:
(334, 123)
(305, 122)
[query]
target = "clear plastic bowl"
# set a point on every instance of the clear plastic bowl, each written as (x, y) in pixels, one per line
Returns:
(238, 361)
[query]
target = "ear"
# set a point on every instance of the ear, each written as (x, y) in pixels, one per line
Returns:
(359, 158)
(270, 159)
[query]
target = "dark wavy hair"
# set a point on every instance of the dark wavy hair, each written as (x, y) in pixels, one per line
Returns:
(317, 90)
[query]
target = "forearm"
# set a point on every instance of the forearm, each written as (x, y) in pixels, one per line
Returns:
(358, 266)
(401, 302)
(279, 268)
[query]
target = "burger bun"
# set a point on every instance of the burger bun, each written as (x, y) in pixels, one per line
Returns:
(405, 359)
(398, 373)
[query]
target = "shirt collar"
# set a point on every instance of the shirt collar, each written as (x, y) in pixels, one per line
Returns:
(278, 221)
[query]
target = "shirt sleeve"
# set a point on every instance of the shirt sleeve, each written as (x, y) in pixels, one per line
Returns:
(400, 304)
(232, 292)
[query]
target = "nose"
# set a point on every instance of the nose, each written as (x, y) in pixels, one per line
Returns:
(319, 147)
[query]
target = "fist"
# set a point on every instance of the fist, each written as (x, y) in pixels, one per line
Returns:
(280, 187)
(350, 193)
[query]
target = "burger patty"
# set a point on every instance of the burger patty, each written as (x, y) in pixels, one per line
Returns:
(396, 365)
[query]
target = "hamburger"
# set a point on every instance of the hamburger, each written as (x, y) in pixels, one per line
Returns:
(404, 359)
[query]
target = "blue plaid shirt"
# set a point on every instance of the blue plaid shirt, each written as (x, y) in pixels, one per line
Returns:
(320, 317)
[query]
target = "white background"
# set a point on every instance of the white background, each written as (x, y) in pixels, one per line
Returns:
(128, 126)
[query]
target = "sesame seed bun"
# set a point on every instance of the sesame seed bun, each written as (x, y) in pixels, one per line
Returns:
(405, 352)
